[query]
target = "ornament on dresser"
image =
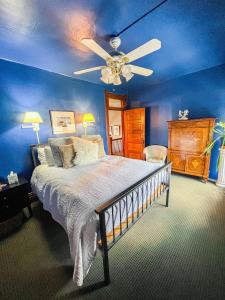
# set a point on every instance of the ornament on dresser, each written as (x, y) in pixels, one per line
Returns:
(183, 114)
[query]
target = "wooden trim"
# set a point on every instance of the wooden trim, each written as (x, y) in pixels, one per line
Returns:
(123, 98)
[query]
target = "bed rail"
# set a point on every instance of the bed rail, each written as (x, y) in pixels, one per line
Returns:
(127, 208)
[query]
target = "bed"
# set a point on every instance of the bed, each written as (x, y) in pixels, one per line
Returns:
(97, 203)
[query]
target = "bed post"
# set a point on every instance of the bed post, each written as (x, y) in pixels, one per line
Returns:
(104, 247)
(168, 188)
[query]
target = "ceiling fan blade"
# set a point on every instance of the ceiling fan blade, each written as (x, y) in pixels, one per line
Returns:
(92, 45)
(143, 50)
(88, 70)
(140, 70)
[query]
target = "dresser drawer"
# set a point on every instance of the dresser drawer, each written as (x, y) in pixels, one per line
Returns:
(16, 197)
(195, 164)
(12, 201)
(13, 198)
(7, 208)
(178, 160)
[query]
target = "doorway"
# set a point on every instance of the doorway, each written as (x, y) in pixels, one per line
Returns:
(115, 106)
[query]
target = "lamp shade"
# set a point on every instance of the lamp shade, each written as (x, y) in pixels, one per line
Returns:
(89, 118)
(32, 117)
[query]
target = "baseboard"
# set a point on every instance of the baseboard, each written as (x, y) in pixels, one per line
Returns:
(212, 180)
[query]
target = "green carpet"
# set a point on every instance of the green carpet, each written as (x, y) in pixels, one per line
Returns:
(171, 253)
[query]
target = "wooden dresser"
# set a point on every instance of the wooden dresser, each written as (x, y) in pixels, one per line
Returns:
(186, 143)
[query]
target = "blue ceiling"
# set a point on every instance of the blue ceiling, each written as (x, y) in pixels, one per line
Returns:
(46, 34)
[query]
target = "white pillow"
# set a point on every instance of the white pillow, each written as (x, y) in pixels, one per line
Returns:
(86, 152)
(41, 155)
(49, 156)
(96, 139)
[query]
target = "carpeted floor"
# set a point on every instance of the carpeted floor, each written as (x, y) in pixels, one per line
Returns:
(171, 253)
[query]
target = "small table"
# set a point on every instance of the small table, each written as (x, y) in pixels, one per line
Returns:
(13, 198)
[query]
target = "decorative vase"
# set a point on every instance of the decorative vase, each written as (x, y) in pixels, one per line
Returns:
(221, 172)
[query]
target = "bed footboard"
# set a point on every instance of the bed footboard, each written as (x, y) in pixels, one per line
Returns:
(117, 215)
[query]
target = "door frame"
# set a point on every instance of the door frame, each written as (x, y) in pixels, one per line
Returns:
(123, 99)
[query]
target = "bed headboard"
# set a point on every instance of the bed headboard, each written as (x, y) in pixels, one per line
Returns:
(34, 153)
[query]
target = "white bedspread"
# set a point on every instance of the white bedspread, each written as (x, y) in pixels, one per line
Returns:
(71, 196)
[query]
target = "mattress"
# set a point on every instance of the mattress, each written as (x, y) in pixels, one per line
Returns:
(72, 195)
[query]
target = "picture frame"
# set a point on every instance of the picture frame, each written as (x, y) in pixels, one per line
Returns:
(62, 121)
(110, 131)
(116, 130)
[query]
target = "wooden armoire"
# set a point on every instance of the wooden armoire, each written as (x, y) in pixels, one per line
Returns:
(187, 140)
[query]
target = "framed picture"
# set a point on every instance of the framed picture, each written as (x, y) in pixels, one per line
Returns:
(63, 122)
(110, 131)
(116, 130)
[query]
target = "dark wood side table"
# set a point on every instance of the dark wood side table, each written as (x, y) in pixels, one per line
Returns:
(13, 198)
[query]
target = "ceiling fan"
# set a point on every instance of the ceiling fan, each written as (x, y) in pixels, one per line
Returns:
(118, 63)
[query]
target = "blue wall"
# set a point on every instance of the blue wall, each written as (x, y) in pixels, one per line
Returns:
(203, 93)
(24, 88)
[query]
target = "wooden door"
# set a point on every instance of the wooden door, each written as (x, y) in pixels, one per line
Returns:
(134, 133)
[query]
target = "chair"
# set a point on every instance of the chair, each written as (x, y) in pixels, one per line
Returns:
(155, 153)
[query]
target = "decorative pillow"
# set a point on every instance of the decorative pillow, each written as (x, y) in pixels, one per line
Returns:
(41, 155)
(54, 144)
(67, 154)
(49, 157)
(86, 152)
(96, 139)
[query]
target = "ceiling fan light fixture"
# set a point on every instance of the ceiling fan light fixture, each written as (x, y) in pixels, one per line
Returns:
(107, 75)
(125, 69)
(126, 72)
(128, 76)
(116, 62)
(106, 72)
(104, 79)
(116, 80)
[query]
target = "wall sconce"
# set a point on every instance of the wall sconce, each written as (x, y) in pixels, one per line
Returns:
(88, 120)
(35, 119)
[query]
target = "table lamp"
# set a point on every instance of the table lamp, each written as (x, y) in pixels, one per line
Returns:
(35, 119)
(88, 120)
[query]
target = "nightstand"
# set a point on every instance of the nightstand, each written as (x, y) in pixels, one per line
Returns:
(13, 198)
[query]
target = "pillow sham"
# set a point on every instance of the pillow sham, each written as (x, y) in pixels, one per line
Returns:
(49, 157)
(67, 154)
(54, 144)
(96, 139)
(41, 155)
(85, 152)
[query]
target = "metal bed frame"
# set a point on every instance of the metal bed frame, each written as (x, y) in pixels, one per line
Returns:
(148, 188)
